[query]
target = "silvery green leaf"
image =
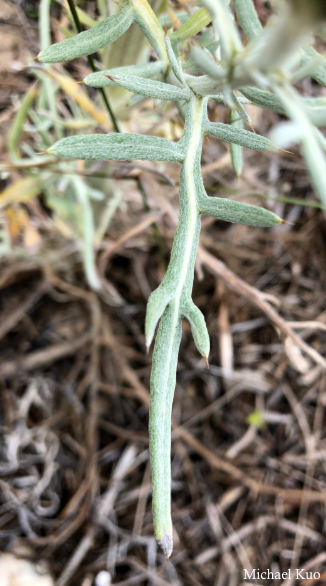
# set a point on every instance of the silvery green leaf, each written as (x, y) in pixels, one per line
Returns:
(225, 29)
(146, 70)
(306, 65)
(206, 38)
(228, 96)
(235, 149)
(221, 99)
(263, 99)
(150, 88)
(317, 116)
(163, 379)
(92, 40)
(147, 21)
(237, 212)
(198, 326)
(213, 47)
(274, 49)
(247, 17)
(174, 62)
(314, 102)
(316, 162)
(205, 60)
(156, 305)
(320, 139)
(269, 101)
(205, 85)
(192, 26)
(286, 134)
(236, 104)
(315, 158)
(318, 64)
(238, 136)
(117, 147)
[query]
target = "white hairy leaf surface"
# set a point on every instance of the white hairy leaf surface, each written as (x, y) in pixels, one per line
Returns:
(198, 326)
(238, 136)
(174, 62)
(151, 88)
(117, 147)
(263, 99)
(176, 287)
(92, 40)
(204, 59)
(235, 149)
(102, 78)
(237, 212)
(267, 100)
(247, 17)
(311, 56)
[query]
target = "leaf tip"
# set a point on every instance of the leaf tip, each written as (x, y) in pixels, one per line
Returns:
(206, 359)
(285, 222)
(166, 543)
(48, 151)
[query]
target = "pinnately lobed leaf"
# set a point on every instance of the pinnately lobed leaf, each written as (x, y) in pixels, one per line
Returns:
(92, 40)
(231, 70)
(117, 147)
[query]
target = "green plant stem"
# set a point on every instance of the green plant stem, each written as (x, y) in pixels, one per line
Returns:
(92, 66)
(178, 283)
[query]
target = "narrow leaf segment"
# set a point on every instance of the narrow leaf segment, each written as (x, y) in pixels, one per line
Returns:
(117, 147)
(92, 40)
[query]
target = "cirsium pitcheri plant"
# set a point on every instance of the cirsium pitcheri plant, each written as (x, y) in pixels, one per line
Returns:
(234, 75)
